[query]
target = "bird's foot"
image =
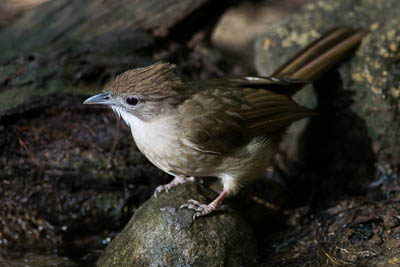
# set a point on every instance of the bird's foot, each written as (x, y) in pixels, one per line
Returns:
(174, 183)
(203, 209)
(200, 208)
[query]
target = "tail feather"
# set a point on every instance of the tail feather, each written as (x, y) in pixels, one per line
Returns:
(321, 55)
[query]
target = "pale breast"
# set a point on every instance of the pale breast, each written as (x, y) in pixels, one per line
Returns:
(158, 141)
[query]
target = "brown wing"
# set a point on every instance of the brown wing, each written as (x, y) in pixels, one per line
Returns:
(210, 119)
(214, 133)
(267, 112)
(226, 113)
(266, 103)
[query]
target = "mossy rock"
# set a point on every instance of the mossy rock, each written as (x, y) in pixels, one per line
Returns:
(160, 234)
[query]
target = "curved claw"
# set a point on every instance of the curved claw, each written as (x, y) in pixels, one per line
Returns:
(190, 207)
(201, 209)
(184, 206)
(197, 215)
(160, 189)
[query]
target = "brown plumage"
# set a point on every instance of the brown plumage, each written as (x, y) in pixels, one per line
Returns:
(227, 127)
(155, 80)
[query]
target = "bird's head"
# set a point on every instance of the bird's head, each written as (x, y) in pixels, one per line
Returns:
(145, 93)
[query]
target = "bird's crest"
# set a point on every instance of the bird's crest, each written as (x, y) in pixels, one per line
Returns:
(154, 80)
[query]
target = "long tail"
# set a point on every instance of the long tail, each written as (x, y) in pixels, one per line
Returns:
(320, 55)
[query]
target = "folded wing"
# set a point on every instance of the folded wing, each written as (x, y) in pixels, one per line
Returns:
(228, 113)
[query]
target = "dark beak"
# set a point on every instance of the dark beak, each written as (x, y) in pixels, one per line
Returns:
(103, 98)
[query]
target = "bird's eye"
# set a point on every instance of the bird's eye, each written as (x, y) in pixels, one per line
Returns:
(132, 100)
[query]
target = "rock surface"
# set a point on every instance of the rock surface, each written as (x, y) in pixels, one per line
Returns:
(160, 234)
(242, 23)
(367, 92)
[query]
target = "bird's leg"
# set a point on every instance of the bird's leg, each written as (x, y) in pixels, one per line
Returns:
(203, 209)
(174, 183)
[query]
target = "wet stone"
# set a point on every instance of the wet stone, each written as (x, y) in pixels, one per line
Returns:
(161, 234)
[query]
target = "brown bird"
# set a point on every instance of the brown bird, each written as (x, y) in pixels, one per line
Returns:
(229, 127)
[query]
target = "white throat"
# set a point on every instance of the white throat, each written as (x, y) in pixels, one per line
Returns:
(132, 121)
(155, 137)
